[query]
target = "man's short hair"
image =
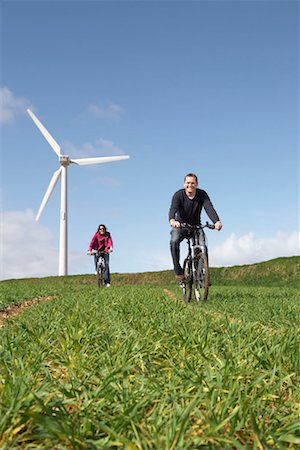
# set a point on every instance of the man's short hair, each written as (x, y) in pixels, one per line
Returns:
(191, 175)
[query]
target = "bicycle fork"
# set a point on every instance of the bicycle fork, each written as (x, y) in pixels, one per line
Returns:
(196, 250)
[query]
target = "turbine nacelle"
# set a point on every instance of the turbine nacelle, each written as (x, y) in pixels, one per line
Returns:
(64, 160)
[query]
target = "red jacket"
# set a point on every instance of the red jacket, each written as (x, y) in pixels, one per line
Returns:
(101, 242)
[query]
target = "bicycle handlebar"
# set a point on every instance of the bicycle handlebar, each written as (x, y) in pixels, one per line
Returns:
(95, 252)
(207, 225)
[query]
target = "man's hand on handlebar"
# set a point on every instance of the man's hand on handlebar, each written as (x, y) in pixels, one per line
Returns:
(218, 226)
(175, 224)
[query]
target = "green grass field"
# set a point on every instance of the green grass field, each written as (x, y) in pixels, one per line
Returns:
(132, 367)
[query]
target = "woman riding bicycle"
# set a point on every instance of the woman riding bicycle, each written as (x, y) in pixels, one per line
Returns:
(102, 242)
(186, 207)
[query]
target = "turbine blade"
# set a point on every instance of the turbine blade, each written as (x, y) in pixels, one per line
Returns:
(49, 191)
(45, 133)
(99, 160)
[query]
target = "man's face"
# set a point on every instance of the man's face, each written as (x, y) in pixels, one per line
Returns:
(190, 185)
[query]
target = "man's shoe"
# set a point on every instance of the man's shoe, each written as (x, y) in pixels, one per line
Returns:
(179, 277)
(107, 285)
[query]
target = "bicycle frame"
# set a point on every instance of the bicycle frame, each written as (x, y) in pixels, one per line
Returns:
(101, 266)
(196, 263)
(101, 260)
(198, 243)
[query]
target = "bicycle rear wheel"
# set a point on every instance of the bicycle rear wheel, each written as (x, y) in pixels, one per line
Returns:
(201, 281)
(188, 281)
(100, 275)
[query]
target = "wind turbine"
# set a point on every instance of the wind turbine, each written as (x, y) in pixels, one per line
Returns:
(62, 172)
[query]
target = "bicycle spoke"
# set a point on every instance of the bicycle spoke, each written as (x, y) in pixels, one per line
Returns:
(100, 273)
(188, 281)
(201, 278)
(100, 276)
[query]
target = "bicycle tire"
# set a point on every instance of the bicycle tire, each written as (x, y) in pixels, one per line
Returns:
(187, 286)
(201, 282)
(100, 275)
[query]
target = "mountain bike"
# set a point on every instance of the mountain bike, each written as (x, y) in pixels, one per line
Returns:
(195, 266)
(101, 266)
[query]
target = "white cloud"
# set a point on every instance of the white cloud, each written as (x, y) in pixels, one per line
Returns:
(112, 111)
(235, 250)
(108, 181)
(249, 249)
(11, 106)
(101, 147)
(28, 249)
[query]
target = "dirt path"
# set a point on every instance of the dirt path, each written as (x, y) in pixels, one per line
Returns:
(14, 310)
(170, 294)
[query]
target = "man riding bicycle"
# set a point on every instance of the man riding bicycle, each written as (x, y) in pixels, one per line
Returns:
(186, 207)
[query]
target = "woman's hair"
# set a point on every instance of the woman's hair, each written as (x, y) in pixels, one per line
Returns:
(102, 225)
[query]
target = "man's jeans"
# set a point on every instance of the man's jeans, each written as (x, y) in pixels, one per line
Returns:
(177, 236)
(107, 271)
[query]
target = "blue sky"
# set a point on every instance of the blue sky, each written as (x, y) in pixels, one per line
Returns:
(210, 87)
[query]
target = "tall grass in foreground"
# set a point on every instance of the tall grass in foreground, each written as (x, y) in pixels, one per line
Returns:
(134, 368)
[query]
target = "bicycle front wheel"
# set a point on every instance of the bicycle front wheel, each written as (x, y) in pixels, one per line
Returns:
(201, 281)
(188, 280)
(100, 275)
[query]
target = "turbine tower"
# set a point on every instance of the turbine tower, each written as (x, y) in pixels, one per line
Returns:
(62, 173)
